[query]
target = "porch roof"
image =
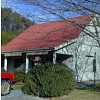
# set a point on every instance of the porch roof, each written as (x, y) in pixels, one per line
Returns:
(47, 35)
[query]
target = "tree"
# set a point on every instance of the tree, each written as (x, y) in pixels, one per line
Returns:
(5, 38)
(11, 24)
(12, 21)
(60, 8)
(63, 9)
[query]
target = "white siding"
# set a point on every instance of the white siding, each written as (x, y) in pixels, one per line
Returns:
(84, 45)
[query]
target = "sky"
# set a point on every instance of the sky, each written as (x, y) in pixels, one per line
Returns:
(25, 10)
(38, 15)
(30, 12)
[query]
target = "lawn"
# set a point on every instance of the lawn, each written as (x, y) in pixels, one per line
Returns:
(81, 93)
(18, 85)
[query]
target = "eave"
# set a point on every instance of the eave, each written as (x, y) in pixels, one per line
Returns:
(28, 50)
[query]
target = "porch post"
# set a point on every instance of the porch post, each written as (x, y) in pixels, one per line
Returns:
(27, 64)
(54, 57)
(5, 63)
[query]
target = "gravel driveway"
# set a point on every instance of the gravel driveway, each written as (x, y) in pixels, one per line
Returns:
(18, 95)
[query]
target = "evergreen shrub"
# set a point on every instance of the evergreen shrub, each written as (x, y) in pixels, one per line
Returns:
(49, 80)
(19, 76)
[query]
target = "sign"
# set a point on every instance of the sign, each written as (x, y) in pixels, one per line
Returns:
(94, 65)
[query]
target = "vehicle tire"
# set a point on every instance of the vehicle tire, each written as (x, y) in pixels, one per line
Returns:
(5, 87)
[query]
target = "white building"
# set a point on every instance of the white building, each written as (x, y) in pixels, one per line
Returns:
(74, 43)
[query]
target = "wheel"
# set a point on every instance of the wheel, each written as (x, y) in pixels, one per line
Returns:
(5, 87)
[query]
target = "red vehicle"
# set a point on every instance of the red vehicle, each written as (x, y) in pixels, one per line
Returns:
(7, 79)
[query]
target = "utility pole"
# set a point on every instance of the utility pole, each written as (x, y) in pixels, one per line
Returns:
(94, 70)
(94, 67)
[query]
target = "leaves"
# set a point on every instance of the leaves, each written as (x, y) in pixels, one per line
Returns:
(11, 24)
(50, 80)
(6, 37)
(12, 21)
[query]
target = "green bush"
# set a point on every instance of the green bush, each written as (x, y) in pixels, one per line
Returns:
(98, 86)
(19, 76)
(49, 80)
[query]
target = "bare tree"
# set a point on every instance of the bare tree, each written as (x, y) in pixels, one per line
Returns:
(62, 9)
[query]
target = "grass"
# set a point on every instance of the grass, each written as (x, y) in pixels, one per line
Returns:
(90, 88)
(18, 85)
(80, 93)
(98, 86)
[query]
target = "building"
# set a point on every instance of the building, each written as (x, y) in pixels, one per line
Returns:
(68, 42)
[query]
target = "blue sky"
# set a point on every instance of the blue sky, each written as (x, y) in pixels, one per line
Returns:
(25, 10)
(28, 11)
(31, 12)
(35, 13)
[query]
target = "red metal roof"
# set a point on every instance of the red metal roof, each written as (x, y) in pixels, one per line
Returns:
(47, 35)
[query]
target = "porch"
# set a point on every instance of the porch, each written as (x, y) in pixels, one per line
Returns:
(26, 61)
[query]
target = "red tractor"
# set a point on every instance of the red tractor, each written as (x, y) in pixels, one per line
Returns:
(7, 80)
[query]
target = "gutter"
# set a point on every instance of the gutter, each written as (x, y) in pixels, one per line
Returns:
(29, 50)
